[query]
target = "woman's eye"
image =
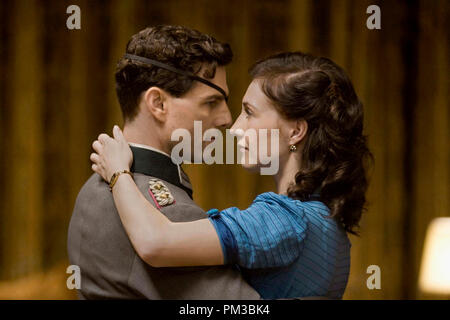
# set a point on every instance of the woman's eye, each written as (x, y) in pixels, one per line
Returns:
(248, 113)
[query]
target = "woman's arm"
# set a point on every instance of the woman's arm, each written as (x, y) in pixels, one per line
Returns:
(157, 240)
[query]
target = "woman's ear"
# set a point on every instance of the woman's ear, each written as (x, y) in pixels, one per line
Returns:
(298, 132)
(154, 99)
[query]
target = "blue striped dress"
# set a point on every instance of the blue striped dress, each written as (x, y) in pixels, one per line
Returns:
(285, 248)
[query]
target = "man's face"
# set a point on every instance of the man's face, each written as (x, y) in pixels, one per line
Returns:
(200, 103)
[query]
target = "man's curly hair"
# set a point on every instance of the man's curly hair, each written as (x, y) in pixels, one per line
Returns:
(177, 46)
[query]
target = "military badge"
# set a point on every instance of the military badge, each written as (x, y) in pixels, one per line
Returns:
(160, 193)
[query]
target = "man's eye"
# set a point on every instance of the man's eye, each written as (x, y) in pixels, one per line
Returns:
(212, 103)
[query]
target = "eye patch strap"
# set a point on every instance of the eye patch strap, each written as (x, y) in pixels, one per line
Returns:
(170, 68)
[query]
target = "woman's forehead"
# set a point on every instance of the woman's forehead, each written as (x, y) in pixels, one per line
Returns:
(255, 96)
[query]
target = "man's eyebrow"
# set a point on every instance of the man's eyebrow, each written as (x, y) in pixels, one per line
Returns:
(214, 97)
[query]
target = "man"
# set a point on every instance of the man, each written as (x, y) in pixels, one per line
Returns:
(169, 77)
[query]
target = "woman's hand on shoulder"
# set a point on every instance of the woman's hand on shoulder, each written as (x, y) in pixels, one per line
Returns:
(111, 154)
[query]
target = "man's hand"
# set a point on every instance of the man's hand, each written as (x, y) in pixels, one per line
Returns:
(112, 154)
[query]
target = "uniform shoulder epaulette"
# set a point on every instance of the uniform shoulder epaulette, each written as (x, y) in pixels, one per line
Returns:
(160, 193)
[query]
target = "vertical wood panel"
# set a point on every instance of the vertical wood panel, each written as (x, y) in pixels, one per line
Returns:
(22, 224)
(357, 67)
(4, 45)
(121, 27)
(78, 109)
(432, 133)
(393, 196)
(299, 33)
(56, 199)
(340, 32)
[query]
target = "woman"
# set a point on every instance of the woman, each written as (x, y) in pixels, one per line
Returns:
(292, 243)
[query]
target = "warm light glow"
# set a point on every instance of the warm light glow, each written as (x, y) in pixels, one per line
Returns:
(435, 270)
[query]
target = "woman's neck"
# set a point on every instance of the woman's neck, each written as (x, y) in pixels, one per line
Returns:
(286, 174)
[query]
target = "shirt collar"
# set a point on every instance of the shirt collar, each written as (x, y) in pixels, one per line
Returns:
(143, 146)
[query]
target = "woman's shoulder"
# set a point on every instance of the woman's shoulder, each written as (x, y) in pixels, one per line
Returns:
(290, 203)
(280, 204)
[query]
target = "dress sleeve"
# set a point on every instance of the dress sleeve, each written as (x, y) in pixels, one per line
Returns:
(265, 235)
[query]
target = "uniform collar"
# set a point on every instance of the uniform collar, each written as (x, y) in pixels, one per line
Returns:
(158, 164)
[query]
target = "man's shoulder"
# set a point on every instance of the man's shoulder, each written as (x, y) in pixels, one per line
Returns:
(93, 187)
(180, 207)
(95, 196)
(98, 244)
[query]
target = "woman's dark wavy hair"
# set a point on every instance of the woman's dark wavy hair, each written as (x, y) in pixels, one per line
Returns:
(335, 156)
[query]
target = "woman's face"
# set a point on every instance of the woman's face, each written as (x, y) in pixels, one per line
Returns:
(255, 144)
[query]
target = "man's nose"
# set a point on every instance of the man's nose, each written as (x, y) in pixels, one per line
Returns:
(223, 118)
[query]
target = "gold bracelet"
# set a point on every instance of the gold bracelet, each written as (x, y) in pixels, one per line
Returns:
(115, 176)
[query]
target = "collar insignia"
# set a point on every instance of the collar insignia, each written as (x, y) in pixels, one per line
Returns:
(157, 165)
(160, 193)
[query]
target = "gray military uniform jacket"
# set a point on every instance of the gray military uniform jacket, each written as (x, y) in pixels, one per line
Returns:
(110, 267)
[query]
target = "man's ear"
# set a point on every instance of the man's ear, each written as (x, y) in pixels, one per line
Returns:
(298, 131)
(154, 99)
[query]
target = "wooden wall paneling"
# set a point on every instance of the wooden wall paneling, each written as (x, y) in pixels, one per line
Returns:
(340, 31)
(393, 197)
(56, 184)
(356, 66)
(4, 70)
(300, 23)
(122, 27)
(78, 107)
(78, 144)
(22, 225)
(381, 236)
(431, 183)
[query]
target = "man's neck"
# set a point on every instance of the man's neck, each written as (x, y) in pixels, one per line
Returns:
(143, 136)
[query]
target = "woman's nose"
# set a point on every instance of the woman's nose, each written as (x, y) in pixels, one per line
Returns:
(237, 124)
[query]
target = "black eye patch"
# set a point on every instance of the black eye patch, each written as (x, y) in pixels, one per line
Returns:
(179, 71)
